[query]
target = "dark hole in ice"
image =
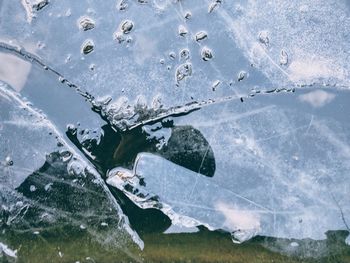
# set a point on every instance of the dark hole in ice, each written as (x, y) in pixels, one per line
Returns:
(186, 147)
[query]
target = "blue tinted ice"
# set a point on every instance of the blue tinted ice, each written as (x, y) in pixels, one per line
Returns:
(281, 169)
(45, 183)
(282, 160)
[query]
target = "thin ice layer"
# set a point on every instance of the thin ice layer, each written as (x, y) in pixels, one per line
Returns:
(158, 183)
(281, 169)
(45, 184)
(275, 44)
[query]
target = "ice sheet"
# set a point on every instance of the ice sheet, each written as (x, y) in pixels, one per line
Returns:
(45, 183)
(281, 170)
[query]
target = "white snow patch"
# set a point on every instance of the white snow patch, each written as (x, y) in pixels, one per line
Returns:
(317, 98)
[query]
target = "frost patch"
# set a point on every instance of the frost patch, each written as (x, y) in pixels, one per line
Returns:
(308, 70)
(317, 98)
(239, 219)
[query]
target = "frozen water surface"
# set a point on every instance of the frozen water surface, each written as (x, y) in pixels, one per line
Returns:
(227, 114)
(281, 170)
(45, 183)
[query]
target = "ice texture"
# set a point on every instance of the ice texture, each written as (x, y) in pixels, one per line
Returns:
(45, 183)
(281, 161)
(278, 44)
(281, 170)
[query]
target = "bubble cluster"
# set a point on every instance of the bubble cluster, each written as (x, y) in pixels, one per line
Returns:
(125, 28)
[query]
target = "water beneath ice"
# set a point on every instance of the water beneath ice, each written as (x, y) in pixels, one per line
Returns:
(125, 122)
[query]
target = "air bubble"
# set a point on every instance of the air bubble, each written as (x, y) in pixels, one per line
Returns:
(40, 4)
(206, 54)
(241, 75)
(122, 5)
(61, 79)
(119, 37)
(87, 47)
(183, 71)
(182, 30)
(126, 26)
(129, 40)
(215, 84)
(40, 45)
(172, 55)
(188, 15)
(185, 54)
(201, 35)
(264, 37)
(86, 23)
(8, 161)
(213, 5)
(68, 58)
(283, 57)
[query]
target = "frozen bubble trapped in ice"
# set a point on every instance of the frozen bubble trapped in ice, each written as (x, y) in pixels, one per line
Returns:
(126, 26)
(183, 71)
(87, 47)
(206, 54)
(86, 23)
(201, 35)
